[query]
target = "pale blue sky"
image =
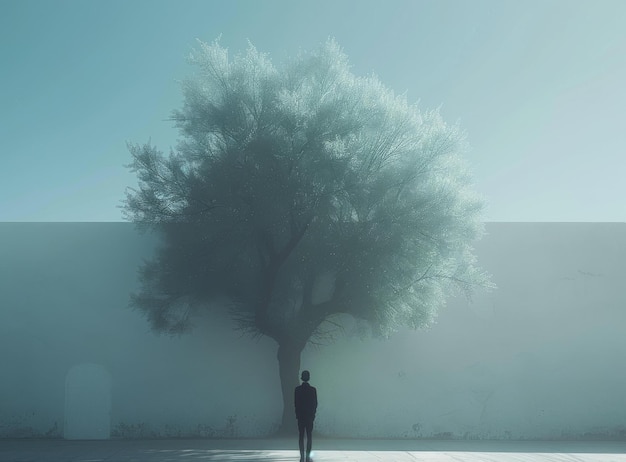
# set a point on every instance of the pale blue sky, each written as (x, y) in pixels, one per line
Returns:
(538, 85)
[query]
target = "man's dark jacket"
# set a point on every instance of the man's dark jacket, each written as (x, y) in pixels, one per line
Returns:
(306, 402)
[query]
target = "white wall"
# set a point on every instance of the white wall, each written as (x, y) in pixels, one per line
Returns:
(540, 357)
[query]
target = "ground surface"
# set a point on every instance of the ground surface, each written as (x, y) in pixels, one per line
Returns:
(30, 450)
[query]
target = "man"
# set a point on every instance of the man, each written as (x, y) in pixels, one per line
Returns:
(306, 405)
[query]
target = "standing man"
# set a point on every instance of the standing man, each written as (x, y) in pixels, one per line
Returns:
(306, 405)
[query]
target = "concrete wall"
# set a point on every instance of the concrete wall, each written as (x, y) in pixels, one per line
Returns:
(540, 357)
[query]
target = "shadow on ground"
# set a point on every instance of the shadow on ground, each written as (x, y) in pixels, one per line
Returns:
(325, 450)
(166, 455)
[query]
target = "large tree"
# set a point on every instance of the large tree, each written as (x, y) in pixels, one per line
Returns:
(298, 195)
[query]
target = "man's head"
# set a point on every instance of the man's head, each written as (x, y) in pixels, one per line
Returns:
(306, 376)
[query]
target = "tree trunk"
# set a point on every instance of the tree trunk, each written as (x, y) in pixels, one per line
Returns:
(289, 370)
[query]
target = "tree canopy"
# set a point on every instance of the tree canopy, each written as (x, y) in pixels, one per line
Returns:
(301, 192)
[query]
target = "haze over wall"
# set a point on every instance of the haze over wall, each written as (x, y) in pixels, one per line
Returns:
(540, 357)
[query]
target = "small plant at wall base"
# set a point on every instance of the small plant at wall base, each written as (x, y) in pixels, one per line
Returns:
(124, 430)
(298, 195)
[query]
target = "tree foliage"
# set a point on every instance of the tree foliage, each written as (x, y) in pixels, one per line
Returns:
(299, 193)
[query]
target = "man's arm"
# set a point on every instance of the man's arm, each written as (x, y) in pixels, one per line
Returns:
(295, 401)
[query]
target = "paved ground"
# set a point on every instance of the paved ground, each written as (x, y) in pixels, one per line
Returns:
(29, 450)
